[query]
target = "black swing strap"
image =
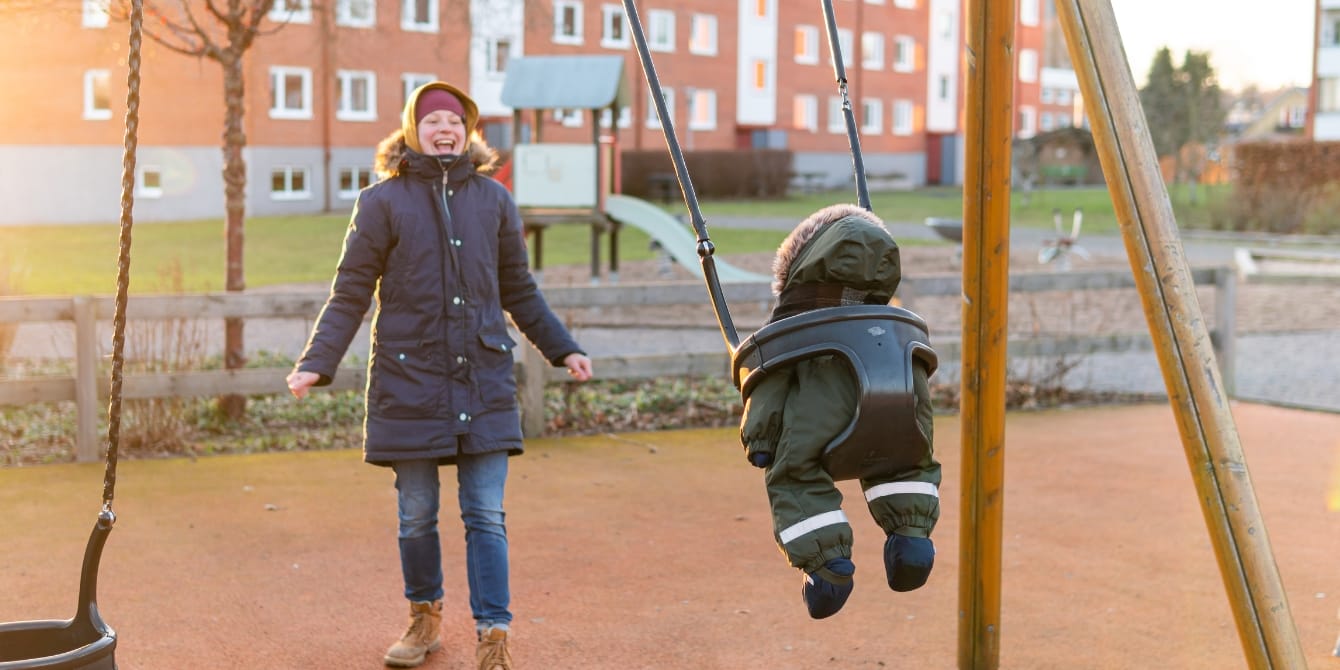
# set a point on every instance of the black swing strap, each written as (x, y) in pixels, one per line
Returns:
(853, 137)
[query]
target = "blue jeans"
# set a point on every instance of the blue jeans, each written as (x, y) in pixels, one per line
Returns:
(480, 480)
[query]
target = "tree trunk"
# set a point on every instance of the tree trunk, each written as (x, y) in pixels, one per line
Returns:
(235, 183)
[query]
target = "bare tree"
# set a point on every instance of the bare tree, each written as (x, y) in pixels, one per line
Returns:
(222, 31)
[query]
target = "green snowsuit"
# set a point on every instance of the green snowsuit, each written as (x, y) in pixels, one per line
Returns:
(839, 255)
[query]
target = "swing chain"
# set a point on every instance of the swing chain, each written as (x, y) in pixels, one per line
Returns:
(123, 256)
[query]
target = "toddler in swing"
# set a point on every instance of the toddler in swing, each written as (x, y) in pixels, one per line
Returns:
(840, 255)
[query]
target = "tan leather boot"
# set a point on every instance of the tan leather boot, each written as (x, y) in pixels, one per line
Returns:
(425, 620)
(492, 652)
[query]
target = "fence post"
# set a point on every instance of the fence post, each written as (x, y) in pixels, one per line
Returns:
(86, 378)
(1224, 336)
(530, 390)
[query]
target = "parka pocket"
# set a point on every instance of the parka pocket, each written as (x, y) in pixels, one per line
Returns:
(497, 383)
(407, 379)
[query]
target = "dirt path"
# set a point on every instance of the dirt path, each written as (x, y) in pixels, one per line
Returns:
(654, 551)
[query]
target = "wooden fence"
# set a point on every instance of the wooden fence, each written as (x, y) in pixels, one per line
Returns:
(89, 392)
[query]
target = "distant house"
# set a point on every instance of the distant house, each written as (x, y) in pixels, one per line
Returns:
(1281, 115)
(1065, 156)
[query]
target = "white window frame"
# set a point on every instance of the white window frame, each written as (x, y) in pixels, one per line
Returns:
(612, 19)
(847, 40)
(279, 74)
(346, 108)
(661, 30)
(1028, 121)
(625, 117)
(904, 117)
(570, 117)
(1328, 95)
(410, 81)
(291, 11)
(562, 7)
(872, 50)
(344, 15)
(142, 188)
(288, 193)
(93, 79)
(807, 45)
(837, 119)
(653, 119)
(703, 35)
(905, 4)
(1028, 65)
(904, 53)
(872, 116)
(97, 13)
(409, 17)
(356, 176)
(1045, 122)
(702, 109)
(1047, 95)
(1028, 12)
(805, 110)
(494, 67)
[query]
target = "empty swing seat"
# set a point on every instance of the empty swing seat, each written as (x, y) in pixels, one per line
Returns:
(880, 344)
(84, 641)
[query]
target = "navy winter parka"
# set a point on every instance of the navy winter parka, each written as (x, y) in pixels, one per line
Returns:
(439, 247)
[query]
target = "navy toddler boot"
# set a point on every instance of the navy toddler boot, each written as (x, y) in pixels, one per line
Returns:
(826, 589)
(908, 561)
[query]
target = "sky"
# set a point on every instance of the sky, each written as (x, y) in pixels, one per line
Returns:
(1264, 42)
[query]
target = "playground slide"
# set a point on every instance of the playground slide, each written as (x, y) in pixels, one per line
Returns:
(677, 239)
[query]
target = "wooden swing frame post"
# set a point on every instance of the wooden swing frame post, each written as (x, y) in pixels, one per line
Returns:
(988, 130)
(1181, 339)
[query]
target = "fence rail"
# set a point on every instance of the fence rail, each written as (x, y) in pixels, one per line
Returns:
(87, 391)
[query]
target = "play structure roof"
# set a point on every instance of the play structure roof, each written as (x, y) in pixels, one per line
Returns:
(565, 82)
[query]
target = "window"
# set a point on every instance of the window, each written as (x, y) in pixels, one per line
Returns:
(571, 118)
(1045, 122)
(613, 32)
(905, 4)
(805, 113)
(1028, 65)
(1028, 121)
(1062, 96)
(567, 22)
(291, 11)
(872, 51)
(149, 181)
(761, 9)
(356, 13)
(872, 116)
(837, 119)
(1295, 116)
(412, 81)
(946, 24)
(625, 117)
(807, 45)
(356, 92)
(703, 35)
(702, 110)
(289, 183)
(97, 95)
(904, 54)
(760, 75)
(499, 52)
(1028, 12)
(419, 16)
(1330, 30)
(847, 42)
(902, 117)
(1047, 96)
(96, 14)
(653, 118)
(353, 180)
(1328, 94)
(290, 93)
(943, 83)
(661, 30)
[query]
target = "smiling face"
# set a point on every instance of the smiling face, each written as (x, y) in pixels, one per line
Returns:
(442, 132)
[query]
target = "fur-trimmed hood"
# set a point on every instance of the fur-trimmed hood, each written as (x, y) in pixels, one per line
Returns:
(392, 153)
(839, 244)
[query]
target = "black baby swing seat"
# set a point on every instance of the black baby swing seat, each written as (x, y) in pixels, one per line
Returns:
(880, 344)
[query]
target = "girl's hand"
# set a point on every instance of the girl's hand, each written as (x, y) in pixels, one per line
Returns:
(299, 382)
(579, 366)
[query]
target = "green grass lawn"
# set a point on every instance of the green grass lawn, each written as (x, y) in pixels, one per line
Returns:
(189, 256)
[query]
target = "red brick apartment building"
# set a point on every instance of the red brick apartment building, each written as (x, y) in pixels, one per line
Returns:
(330, 77)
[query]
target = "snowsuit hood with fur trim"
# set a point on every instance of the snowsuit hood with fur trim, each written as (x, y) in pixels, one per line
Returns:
(840, 255)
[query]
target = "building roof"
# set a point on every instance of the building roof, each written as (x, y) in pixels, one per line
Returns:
(565, 82)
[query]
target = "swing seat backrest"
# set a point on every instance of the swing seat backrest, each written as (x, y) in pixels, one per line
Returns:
(881, 344)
